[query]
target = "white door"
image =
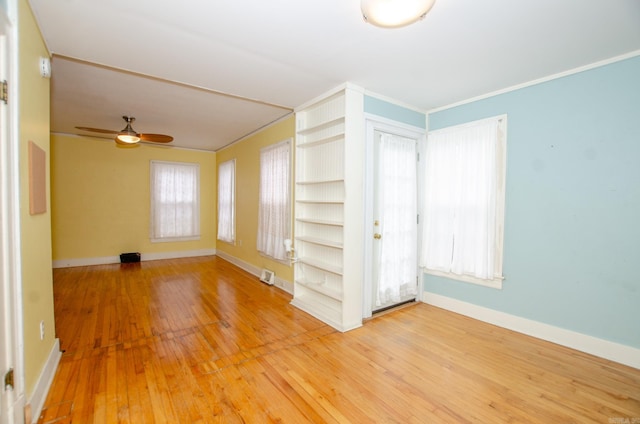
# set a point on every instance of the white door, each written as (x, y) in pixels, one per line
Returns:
(10, 397)
(392, 216)
(5, 297)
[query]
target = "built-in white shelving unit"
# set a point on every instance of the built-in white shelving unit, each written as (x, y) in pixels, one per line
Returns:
(329, 228)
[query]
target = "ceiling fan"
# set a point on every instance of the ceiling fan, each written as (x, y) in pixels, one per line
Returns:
(128, 136)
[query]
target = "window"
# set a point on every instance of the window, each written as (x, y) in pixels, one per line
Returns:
(464, 202)
(175, 201)
(274, 207)
(227, 201)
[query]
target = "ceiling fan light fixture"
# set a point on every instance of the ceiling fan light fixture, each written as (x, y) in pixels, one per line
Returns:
(128, 135)
(394, 13)
(127, 138)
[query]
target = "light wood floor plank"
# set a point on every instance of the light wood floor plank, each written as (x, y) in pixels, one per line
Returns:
(197, 340)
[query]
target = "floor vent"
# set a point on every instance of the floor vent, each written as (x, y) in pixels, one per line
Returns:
(268, 277)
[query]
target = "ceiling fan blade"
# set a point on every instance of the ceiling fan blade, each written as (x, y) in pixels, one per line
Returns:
(100, 130)
(156, 138)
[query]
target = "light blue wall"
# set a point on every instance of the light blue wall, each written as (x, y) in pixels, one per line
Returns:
(394, 112)
(572, 230)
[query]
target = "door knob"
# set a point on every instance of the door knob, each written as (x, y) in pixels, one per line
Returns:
(377, 236)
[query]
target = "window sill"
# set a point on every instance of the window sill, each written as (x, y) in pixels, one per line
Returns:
(286, 262)
(174, 239)
(495, 283)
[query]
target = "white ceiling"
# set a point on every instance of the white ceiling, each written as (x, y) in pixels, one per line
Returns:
(210, 72)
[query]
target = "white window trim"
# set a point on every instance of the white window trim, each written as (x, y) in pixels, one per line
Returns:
(173, 239)
(497, 280)
(495, 283)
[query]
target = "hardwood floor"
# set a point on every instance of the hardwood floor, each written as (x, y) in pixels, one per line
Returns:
(199, 340)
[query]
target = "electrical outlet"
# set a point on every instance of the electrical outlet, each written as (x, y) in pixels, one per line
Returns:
(41, 330)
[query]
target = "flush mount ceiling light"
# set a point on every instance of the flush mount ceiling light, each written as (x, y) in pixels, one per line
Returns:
(394, 13)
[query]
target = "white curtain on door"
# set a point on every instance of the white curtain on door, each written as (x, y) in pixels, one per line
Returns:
(398, 215)
(460, 200)
(274, 208)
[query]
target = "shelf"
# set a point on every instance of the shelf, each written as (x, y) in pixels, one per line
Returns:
(330, 145)
(321, 265)
(320, 288)
(321, 126)
(320, 182)
(321, 222)
(321, 242)
(321, 141)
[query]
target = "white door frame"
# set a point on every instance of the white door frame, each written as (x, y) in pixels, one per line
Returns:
(10, 256)
(375, 123)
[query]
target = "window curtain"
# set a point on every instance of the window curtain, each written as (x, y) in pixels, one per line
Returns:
(274, 208)
(175, 200)
(398, 215)
(459, 232)
(226, 201)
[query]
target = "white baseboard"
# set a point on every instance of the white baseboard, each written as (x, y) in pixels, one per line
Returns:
(253, 270)
(616, 352)
(68, 263)
(284, 285)
(43, 384)
(175, 255)
(316, 310)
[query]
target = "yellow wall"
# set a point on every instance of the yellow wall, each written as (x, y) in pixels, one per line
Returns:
(101, 203)
(37, 281)
(247, 155)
